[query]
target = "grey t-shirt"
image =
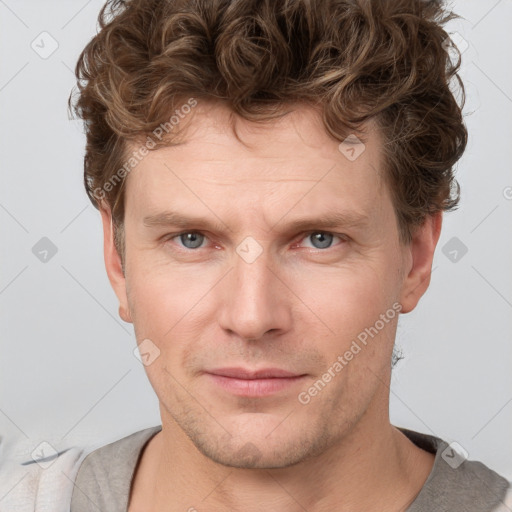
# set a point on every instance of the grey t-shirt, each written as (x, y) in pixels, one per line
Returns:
(104, 479)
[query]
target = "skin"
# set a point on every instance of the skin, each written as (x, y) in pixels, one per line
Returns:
(297, 306)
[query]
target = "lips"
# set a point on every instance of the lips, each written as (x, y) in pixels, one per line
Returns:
(241, 373)
(253, 383)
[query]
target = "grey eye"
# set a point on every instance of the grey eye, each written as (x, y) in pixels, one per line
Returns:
(191, 240)
(321, 240)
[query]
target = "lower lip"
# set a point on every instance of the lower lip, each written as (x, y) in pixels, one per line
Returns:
(255, 387)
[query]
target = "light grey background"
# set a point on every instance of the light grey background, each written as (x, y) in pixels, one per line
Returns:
(67, 370)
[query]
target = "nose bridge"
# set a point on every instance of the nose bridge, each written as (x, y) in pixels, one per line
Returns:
(254, 299)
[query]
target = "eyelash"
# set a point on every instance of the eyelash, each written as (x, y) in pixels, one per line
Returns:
(342, 237)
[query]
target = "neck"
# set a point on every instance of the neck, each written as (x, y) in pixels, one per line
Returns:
(373, 468)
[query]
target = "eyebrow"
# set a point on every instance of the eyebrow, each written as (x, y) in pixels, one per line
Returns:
(330, 220)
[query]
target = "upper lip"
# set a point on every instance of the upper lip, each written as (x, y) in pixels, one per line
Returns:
(264, 373)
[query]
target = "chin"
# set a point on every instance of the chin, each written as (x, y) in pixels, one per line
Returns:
(261, 450)
(252, 456)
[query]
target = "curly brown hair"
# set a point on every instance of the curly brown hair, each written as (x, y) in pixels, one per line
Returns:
(354, 60)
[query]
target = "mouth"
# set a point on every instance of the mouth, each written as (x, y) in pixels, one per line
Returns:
(254, 383)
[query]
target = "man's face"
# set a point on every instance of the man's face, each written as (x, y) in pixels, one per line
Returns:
(246, 289)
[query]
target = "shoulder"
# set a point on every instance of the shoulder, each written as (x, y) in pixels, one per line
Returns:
(106, 473)
(457, 483)
(506, 504)
(44, 478)
(103, 460)
(40, 479)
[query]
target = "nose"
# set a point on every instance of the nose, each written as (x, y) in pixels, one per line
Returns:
(255, 298)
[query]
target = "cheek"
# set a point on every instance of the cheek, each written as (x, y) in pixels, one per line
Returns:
(167, 306)
(163, 312)
(357, 311)
(158, 305)
(346, 299)
(348, 304)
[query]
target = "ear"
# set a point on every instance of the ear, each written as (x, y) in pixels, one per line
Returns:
(113, 265)
(419, 254)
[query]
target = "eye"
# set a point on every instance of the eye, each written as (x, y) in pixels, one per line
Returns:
(319, 239)
(322, 239)
(190, 239)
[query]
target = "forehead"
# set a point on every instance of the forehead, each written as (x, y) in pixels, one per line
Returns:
(292, 156)
(298, 131)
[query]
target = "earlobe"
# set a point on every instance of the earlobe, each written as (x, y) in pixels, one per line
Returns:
(113, 265)
(124, 313)
(421, 249)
